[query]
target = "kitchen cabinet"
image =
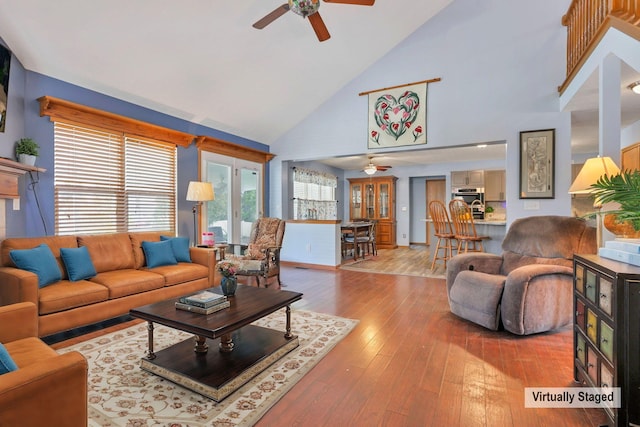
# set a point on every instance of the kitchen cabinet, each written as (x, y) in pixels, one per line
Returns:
(374, 199)
(606, 331)
(495, 183)
(630, 157)
(471, 179)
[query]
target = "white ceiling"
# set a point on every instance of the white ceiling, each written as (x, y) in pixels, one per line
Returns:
(201, 60)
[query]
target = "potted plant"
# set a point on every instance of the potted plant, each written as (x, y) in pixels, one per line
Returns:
(624, 189)
(27, 151)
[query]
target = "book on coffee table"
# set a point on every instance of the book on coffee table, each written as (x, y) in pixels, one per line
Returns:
(204, 299)
(201, 310)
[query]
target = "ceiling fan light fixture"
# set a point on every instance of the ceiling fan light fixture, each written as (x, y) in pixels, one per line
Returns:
(370, 169)
(304, 8)
(635, 87)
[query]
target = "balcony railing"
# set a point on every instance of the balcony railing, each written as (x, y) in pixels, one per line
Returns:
(588, 20)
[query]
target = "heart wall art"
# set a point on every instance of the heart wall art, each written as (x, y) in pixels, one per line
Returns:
(398, 116)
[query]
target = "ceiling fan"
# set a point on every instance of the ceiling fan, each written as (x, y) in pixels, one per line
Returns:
(371, 168)
(307, 9)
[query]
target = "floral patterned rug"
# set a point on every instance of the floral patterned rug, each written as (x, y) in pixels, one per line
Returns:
(122, 394)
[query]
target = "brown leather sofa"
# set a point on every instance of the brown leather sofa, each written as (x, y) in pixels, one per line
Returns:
(47, 389)
(123, 280)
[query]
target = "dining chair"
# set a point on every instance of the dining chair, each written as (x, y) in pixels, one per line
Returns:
(443, 232)
(464, 227)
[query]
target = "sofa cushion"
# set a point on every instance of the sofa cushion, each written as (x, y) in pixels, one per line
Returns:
(54, 243)
(159, 253)
(109, 251)
(6, 362)
(78, 263)
(180, 246)
(136, 243)
(28, 351)
(182, 272)
(38, 260)
(121, 283)
(65, 295)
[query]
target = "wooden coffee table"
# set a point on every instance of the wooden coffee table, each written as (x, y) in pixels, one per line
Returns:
(243, 350)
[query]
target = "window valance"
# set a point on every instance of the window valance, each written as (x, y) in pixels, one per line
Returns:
(62, 110)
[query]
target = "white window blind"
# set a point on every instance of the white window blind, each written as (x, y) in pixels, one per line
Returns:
(106, 182)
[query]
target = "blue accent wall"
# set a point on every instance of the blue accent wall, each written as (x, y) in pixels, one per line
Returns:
(36, 214)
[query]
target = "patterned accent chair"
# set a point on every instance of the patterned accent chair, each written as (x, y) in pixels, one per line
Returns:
(261, 257)
(529, 287)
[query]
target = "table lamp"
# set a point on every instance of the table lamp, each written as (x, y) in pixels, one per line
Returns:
(198, 192)
(590, 173)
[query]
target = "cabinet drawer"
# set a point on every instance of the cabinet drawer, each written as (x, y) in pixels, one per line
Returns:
(606, 294)
(580, 279)
(581, 348)
(606, 376)
(592, 364)
(590, 285)
(580, 314)
(606, 340)
(592, 326)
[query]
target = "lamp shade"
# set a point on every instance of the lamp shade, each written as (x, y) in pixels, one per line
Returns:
(200, 191)
(370, 169)
(592, 170)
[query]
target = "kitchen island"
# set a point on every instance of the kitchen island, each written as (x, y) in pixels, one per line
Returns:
(494, 228)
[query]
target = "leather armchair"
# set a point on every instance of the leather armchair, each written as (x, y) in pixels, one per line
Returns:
(261, 257)
(48, 389)
(528, 289)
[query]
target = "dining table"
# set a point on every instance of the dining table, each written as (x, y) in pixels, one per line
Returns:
(354, 229)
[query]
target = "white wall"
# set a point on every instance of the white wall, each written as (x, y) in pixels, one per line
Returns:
(500, 72)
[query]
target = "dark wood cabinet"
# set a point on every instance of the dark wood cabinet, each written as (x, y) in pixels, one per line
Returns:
(607, 331)
(374, 199)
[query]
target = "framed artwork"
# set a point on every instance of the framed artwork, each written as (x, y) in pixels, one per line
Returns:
(5, 63)
(537, 169)
(398, 116)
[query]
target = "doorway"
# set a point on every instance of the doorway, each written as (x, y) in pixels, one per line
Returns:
(237, 186)
(435, 189)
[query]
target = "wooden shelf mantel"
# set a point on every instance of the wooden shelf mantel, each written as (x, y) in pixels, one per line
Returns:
(10, 171)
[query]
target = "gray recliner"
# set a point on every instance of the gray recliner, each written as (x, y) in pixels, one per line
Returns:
(528, 289)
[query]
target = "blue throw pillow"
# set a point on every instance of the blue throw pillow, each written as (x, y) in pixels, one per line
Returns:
(6, 362)
(159, 253)
(78, 263)
(39, 260)
(180, 246)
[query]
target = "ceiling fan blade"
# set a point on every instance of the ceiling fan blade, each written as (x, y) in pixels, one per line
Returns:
(269, 18)
(356, 2)
(383, 168)
(318, 26)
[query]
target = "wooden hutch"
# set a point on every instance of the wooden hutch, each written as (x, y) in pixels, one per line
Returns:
(374, 199)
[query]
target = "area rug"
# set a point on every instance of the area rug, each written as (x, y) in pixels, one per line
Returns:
(121, 394)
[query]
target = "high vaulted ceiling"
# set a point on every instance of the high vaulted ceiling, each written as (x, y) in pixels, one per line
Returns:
(201, 60)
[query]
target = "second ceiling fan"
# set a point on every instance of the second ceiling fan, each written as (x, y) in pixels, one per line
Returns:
(307, 9)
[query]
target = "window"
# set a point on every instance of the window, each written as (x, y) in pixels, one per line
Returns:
(314, 195)
(107, 182)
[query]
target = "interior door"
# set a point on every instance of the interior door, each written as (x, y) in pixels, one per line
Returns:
(237, 186)
(436, 190)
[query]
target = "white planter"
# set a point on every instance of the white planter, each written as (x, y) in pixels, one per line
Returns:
(27, 159)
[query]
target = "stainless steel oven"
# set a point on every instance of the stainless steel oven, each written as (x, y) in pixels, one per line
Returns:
(474, 198)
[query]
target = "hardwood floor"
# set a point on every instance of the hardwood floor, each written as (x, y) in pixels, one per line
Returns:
(410, 362)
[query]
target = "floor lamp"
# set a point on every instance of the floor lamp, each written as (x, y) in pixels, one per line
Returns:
(198, 192)
(590, 173)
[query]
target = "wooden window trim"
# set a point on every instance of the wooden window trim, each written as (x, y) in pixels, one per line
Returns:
(62, 110)
(219, 146)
